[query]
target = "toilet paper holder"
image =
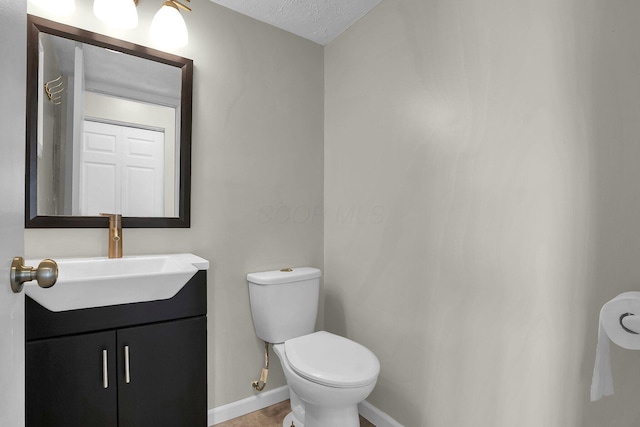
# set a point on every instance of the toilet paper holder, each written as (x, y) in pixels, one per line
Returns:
(629, 322)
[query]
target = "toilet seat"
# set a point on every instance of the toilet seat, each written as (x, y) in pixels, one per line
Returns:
(332, 360)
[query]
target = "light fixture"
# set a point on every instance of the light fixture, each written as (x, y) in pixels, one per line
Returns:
(117, 13)
(56, 7)
(168, 28)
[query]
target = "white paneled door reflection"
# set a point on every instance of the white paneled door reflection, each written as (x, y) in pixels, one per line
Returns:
(121, 170)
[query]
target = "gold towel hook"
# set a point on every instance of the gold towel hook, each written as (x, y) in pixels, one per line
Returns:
(55, 80)
(52, 89)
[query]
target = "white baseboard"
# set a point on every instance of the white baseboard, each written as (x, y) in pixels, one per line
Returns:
(376, 416)
(259, 401)
(245, 406)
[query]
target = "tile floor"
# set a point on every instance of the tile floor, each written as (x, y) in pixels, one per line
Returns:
(271, 416)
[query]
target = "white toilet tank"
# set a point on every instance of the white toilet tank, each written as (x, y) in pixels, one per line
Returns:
(284, 303)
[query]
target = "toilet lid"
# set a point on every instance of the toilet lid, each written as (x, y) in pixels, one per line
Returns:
(332, 360)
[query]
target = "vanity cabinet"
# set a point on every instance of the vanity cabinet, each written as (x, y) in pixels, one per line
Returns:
(64, 382)
(132, 365)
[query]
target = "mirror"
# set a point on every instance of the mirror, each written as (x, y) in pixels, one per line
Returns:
(108, 130)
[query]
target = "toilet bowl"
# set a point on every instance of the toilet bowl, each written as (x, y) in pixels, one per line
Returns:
(328, 375)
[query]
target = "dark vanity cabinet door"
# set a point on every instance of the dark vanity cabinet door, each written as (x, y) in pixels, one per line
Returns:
(167, 367)
(151, 375)
(72, 381)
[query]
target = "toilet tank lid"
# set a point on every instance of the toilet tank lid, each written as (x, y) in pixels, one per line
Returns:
(285, 275)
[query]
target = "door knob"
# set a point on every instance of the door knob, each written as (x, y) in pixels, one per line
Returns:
(46, 274)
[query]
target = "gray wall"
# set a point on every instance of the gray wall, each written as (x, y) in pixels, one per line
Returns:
(257, 150)
(482, 196)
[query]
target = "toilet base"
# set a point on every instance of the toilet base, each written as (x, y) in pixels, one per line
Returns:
(344, 416)
(324, 417)
(291, 420)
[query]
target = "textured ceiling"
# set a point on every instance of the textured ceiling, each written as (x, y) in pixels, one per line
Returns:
(317, 20)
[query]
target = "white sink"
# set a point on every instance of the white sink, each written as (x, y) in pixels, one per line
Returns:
(99, 282)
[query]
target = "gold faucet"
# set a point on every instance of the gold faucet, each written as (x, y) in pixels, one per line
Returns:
(115, 235)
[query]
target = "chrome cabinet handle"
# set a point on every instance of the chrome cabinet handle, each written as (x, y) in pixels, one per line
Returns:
(105, 370)
(127, 373)
(46, 274)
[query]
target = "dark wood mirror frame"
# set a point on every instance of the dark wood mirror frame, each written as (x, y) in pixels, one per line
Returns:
(36, 25)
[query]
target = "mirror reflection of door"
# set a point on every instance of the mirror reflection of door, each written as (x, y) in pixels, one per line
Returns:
(93, 85)
(121, 170)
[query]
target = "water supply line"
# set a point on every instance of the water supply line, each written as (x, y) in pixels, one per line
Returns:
(262, 382)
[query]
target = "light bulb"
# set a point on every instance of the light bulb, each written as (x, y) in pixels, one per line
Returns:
(56, 7)
(117, 13)
(168, 28)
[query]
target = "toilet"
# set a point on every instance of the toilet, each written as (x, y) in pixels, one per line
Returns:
(328, 375)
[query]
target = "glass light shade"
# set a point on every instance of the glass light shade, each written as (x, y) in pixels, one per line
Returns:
(168, 29)
(117, 13)
(56, 7)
